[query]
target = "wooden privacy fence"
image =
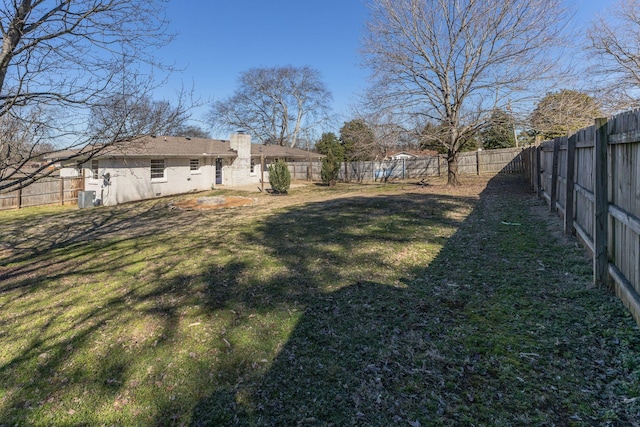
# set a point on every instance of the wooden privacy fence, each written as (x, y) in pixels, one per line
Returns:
(592, 179)
(46, 191)
(507, 160)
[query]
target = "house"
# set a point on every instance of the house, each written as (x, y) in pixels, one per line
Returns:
(411, 154)
(156, 166)
(395, 165)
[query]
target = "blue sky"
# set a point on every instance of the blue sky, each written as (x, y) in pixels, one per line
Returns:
(217, 40)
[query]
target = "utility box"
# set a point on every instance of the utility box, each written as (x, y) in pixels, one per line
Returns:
(86, 198)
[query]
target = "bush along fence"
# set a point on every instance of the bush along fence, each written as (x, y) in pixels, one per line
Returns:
(46, 191)
(507, 160)
(592, 180)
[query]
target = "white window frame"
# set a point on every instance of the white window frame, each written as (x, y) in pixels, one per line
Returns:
(194, 166)
(154, 169)
(95, 172)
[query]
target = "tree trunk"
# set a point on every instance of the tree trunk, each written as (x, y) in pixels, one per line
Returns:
(452, 164)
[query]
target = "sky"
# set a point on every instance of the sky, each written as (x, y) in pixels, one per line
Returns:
(219, 39)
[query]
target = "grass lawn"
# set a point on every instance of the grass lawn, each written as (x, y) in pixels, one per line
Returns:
(375, 305)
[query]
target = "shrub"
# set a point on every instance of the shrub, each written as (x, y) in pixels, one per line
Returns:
(330, 169)
(279, 177)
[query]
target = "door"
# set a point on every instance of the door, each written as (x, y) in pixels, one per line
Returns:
(218, 171)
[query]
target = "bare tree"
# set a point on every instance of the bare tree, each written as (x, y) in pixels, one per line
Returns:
(614, 39)
(58, 60)
(21, 140)
(372, 134)
(453, 62)
(123, 115)
(560, 113)
(190, 131)
(277, 105)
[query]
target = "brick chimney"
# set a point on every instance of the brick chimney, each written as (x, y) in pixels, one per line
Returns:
(240, 170)
(241, 142)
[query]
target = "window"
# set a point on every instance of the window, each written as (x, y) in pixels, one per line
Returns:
(94, 169)
(194, 165)
(157, 168)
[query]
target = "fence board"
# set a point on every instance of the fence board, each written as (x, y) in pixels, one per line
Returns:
(585, 200)
(507, 160)
(553, 197)
(467, 163)
(601, 184)
(546, 169)
(570, 185)
(602, 187)
(47, 191)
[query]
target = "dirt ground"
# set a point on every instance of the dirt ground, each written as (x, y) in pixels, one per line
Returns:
(222, 202)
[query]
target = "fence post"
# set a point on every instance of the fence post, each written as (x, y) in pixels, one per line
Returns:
(554, 175)
(262, 165)
(571, 161)
(19, 201)
(534, 168)
(62, 191)
(539, 171)
(600, 189)
(477, 162)
(529, 166)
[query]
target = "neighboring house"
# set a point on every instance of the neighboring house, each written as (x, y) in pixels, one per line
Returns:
(411, 155)
(394, 165)
(156, 166)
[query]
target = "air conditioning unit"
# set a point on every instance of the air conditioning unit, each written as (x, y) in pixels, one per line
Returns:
(86, 198)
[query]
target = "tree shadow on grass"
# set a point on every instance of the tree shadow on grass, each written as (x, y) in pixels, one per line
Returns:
(339, 312)
(475, 336)
(334, 365)
(68, 285)
(363, 350)
(351, 325)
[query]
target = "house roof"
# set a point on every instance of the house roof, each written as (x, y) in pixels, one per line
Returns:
(414, 153)
(179, 146)
(170, 146)
(282, 152)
